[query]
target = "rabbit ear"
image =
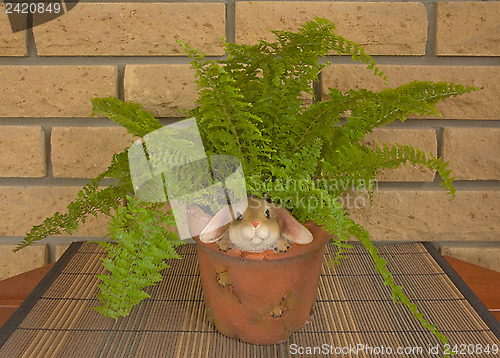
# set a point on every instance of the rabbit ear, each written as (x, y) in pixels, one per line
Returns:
(291, 228)
(197, 219)
(217, 227)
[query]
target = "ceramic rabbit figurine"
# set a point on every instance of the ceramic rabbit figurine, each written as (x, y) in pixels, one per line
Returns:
(255, 225)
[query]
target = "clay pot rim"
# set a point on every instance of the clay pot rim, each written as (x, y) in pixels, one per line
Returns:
(320, 238)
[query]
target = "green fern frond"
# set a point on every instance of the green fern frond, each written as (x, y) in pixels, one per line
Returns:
(362, 163)
(397, 291)
(143, 244)
(90, 201)
(130, 115)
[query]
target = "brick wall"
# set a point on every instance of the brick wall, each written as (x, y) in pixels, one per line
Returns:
(50, 146)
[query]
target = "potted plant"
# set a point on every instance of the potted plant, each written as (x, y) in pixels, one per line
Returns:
(251, 107)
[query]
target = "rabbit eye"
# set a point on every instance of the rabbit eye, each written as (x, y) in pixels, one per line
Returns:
(266, 214)
(239, 217)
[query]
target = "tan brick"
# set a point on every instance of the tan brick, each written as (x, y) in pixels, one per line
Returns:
(167, 90)
(430, 215)
(468, 28)
(131, 29)
(54, 91)
(423, 139)
(85, 152)
(11, 43)
(382, 28)
(161, 89)
(14, 263)
(482, 104)
(23, 151)
(60, 250)
(474, 153)
(486, 256)
(23, 207)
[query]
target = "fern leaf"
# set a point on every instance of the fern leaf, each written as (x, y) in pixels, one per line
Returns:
(143, 245)
(130, 115)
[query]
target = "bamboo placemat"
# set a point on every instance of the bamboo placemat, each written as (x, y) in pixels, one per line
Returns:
(354, 308)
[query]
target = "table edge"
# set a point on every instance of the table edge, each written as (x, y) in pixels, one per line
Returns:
(478, 306)
(13, 322)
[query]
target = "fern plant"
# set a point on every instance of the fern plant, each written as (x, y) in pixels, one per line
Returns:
(251, 107)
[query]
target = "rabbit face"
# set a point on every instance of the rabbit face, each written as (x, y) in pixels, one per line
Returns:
(256, 229)
(254, 225)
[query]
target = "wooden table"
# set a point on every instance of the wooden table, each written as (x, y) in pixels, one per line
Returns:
(14, 290)
(58, 319)
(485, 284)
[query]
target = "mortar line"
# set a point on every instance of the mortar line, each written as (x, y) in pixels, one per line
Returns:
(461, 185)
(411, 123)
(96, 122)
(439, 139)
(431, 30)
(395, 60)
(231, 21)
(50, 181)
(47, 129)
(121, 82)
(219, 1)
(30, 39)
(317, 85)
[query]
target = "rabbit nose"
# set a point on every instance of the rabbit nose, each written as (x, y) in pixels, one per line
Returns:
(255, 223)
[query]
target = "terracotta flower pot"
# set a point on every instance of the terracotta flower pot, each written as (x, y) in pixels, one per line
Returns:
(261, 298)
